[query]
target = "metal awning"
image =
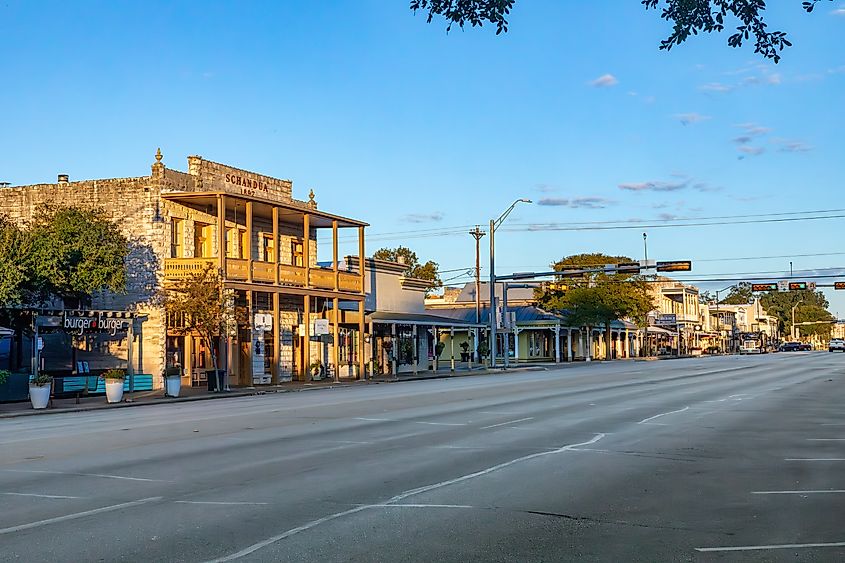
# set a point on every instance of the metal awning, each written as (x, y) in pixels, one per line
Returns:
(658, 330)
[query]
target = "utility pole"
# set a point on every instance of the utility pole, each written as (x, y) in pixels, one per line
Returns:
(477, 233)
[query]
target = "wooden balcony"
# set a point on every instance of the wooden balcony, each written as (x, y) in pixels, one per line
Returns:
(237, 269)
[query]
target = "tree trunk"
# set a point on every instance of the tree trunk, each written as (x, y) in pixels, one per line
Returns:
(608, 345)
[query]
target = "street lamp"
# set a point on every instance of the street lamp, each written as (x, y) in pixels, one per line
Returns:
(494, 224)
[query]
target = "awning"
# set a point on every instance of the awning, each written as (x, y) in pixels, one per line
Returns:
(658, 330)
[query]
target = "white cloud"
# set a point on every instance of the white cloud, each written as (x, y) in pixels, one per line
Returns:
(667, 217)
(751, 151)
(838, 11)
(754, 129)
(715, 87)
(654, 186)
(423, 217)
(690, 118)
(589, 202)
(604, 81)
(792, 146)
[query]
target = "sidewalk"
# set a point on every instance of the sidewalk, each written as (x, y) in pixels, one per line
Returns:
(24, 408)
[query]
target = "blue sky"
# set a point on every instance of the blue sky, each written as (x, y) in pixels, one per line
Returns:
(424, 133)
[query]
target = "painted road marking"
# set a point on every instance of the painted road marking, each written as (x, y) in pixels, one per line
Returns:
(441, 423)
(76, 515)
(506, 423)
(220, 503)
(814, 459)
(396, 499)
(374, 419)
(819, 492)
(420, 506)
(39, 496)
(826, 439)
(86, 475)
(645, 420)
(775, 546)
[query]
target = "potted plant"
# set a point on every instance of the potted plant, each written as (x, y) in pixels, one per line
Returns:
(483, 349)
(114, 384)
(316, 368)
(4, 375)
(39, 390)
(464, 351)
(172, 381)
(438, 349)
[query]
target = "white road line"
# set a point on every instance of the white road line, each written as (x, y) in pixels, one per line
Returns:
(819, 492)
(420, 506)
(85, 475)
(220, 503)
(374, 419)
(441, 423)
(643, 421)
(814, 459)
(506, 423)
(396, 499)
(77, 515)
(39, 496)
(497, 412)
(775, 546)
(826, 439)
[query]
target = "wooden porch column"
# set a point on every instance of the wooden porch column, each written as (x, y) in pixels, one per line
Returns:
(306, 247)
(393, 349)
(276, 248)
(336, 338)
(277, 326)
(452, 347)
(334, 256)
(361, 256)
(306, 344)
(569, 344)
(361, 338)
(372, 368)
(221, 233)
(416, 348)
(557, 343)
(248, 253)
(245, 368)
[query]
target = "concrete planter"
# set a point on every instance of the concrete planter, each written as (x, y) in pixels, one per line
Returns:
(172, 385)
(39, 395)
(114, 390)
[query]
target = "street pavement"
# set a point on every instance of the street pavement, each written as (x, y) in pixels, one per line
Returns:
(705, 459)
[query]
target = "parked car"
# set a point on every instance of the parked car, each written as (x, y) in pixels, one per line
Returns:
(806, 347)
(791, 347)
(836, 345)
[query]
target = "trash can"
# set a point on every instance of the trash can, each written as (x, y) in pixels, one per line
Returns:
(216, 380)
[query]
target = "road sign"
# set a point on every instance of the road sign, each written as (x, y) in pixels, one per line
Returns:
(797, 286)
(783, 285)
(666, 320)
(764, 287)
(838, 285)
(674, 266)
(628, 267)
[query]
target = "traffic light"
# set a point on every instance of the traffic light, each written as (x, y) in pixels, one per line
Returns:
(674, 266)
(838, 285)
(797, 286)
(764, 287)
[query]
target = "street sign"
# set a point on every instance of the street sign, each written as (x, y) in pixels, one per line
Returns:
(838, 285)
(764, 287)
(783, 285)
(674, 266)
(666, 320)
(797, 286)
(628, 267)
(320, 327)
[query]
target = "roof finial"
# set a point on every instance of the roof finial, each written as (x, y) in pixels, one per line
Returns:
(158, 154)
(311, 202)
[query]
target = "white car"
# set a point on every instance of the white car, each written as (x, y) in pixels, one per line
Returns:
(836, 344)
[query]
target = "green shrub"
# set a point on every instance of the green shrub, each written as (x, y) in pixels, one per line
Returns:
(4, 375)
(42, 380)
(115, 374)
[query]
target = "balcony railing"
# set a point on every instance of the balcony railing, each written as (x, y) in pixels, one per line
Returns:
(264, 272)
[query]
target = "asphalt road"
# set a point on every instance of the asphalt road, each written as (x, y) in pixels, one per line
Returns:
(710, 459)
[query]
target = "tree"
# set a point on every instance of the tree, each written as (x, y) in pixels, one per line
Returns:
(76, 253)
(199, 305)
(598, 298)
(740, 294)
(413, 269)
(15, 274)
(688, 17)
(810, 306)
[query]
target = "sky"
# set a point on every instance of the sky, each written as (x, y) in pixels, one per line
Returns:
(424, 134)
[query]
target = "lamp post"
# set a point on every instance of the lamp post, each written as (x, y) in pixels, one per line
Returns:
(494, 224)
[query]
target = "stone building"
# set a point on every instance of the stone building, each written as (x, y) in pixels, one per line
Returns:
(251, 228)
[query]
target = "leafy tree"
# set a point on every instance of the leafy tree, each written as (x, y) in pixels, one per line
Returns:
(15, 273)
(75, 253)
(688, 17)
(199, 305)
(599, 298)
(740, 294)
(413, 268)
(811, 306)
